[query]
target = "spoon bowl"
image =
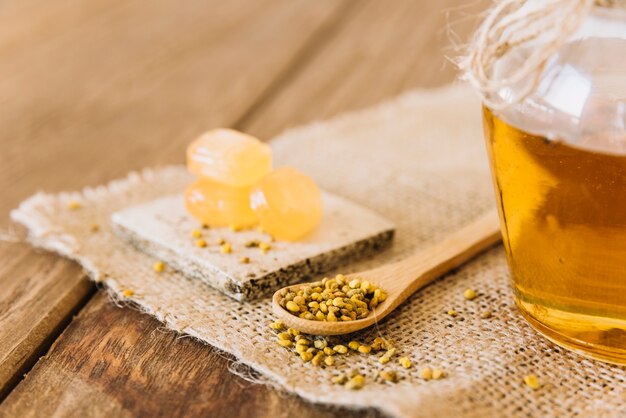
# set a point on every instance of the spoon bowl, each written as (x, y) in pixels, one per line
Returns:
(340, 327)
(401, 279)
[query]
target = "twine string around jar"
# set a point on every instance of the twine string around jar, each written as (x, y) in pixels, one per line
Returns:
(510, 24)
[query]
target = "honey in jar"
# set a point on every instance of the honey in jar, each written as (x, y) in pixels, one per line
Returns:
(563, 215)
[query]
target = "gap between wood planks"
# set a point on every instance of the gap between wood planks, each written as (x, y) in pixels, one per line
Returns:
(29, 286)
(299, 62)
(23, 354)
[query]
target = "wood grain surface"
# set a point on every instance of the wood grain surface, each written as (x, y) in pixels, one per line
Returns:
(125, 89)
(382, 49)
(118, 363)
(91, 89)
(40, 291)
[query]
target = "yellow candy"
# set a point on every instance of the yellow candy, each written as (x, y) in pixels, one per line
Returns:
(229, 157)
(288, 204)
(217, 205)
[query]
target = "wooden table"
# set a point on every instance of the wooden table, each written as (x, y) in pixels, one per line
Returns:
(91, 89)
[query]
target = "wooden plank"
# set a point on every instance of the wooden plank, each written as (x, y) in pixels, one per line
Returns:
(131, 88)
(117, 362)
(28, 23)
(387, 48)
(101, 99)
(350, 71)
(33, 284)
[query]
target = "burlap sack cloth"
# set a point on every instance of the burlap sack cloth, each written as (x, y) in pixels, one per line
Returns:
(419, 160)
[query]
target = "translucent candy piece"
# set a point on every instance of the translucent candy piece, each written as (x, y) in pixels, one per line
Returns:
(288, 204)
(229, 157)
(217, 205)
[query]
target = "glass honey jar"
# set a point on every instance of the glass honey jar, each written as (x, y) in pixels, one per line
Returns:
(558, 158)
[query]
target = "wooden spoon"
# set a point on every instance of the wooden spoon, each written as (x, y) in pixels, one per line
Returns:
(399, 280)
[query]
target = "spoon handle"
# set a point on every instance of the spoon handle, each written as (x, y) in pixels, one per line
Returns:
(403, 278)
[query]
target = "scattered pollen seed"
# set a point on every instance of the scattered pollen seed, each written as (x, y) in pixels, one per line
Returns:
(94, 227)
(320, 344)
(127, 293)
(469, 294)
(244, 260)
(438, 374)
(285, 343)
(486, 315)
(365, 349)
(355, 383)
(318, 358)
(426, 373)
(74, 204)
(382, 344)
(278, 325)
(385, 358)
(532, 381)
(317, 351)
(341, 349)
(388, 375)
(226, 248)
(452, 313)
(159, 266)
(196, 233)
(264, 247)
(405, 362)
(339, 380)
(200, 243)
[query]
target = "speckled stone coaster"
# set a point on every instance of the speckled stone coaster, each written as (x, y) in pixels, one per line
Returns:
(162, 228)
